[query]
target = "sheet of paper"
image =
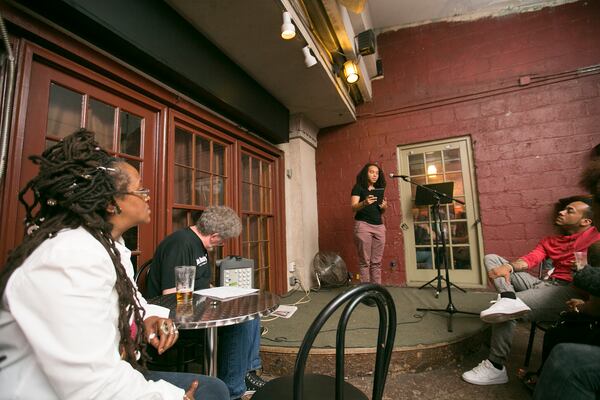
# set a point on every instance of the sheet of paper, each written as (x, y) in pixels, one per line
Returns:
(285, 311)
(226, 292)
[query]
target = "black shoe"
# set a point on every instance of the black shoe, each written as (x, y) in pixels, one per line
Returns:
(253, 381)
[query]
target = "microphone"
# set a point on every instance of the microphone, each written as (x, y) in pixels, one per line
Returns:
(399, 176)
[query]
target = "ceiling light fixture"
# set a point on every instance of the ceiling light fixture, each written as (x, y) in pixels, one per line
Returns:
(309, 59)
(288, 30)
(350, 71)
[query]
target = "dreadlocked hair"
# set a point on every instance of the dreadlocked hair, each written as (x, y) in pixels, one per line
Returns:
(76, 183)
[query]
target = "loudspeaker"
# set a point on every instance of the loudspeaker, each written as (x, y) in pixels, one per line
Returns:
(365, 42)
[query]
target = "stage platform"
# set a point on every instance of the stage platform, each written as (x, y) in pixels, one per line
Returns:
(422, 338)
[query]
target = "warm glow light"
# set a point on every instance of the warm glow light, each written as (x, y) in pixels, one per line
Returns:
(350, 71)
(431, 170)
(288, 30)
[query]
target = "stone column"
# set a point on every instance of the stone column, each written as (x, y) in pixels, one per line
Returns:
(302, 230)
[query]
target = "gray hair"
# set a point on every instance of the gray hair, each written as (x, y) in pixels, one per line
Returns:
(221, 220)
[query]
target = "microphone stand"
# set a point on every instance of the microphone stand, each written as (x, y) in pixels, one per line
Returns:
(439, 230)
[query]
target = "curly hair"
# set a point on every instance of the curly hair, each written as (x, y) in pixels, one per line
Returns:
(362, 179)
(77, 181)
(221, 220)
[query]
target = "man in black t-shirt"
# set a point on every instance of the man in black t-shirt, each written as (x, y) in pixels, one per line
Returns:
(239, 345)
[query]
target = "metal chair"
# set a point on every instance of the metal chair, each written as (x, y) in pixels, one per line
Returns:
(189, 346)
(317, 387)
(141, 277)
(544, 266)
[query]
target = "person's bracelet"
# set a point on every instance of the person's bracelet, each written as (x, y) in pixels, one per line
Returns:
(512, 267)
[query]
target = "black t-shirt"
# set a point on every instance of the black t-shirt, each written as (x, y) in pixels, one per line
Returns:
(182, 247)
(371, 213)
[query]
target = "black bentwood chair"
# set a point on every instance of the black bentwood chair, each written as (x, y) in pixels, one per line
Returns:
(315, 387)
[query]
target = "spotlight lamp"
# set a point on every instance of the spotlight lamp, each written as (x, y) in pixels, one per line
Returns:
(309, 59)
(350, 71)
(288, 30)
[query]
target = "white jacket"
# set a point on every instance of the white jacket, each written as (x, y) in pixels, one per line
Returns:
(59, 326)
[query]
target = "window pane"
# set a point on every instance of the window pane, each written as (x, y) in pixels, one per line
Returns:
(255, 198)
(182, 185)
(416, 164)
(421, 213)
(264, 254)
(202, 154)
(101, 120)
(266, 174)
(255, 171)
(183, 147)
(218, 159)
(264, 228)
(433, 163)
(64, 111)
(253, 229)
(424, 257)
(460, 234)
(218, 190)
(421, 180)
(179, 219)
(461, 257)
(423, 234)
(245, 196)
(266, 207)
(245, 168)
(437, 178)
(130, 133)
(452, 160)
(457, 210)
(202, 186)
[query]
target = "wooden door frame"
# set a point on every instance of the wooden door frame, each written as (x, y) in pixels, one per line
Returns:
(478, 246)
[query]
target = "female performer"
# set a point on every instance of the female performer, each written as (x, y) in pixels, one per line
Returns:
(369, 231)
(72, 322)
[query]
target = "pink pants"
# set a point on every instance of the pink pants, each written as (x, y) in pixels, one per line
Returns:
(370, 241)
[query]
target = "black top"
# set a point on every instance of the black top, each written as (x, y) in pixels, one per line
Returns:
(370, 214)
(182, 247)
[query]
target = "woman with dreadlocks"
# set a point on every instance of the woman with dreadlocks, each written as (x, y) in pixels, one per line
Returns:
(72, 323)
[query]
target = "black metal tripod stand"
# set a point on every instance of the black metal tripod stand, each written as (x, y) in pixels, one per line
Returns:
(435, 200)
(439, 238)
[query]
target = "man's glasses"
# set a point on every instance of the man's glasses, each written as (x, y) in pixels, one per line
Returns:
(142, 193)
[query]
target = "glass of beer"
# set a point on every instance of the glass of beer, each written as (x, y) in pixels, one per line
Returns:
(184, 283)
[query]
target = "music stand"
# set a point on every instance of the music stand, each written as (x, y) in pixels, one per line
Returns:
(446, 194)
(432, 198)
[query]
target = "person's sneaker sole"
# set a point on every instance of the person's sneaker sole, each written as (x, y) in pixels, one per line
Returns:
(486, 383)
(497, 318)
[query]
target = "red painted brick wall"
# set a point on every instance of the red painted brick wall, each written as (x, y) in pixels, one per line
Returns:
(453, 79)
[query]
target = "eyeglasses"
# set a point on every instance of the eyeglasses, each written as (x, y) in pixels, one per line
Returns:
(142, 193)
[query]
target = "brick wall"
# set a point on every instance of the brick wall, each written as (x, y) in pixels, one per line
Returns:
(444, 80)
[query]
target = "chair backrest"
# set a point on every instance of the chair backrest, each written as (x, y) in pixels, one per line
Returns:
(385, 338)
(141, 277)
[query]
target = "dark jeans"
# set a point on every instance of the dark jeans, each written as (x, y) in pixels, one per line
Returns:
(572, 371)
(208, 388)
(238, 352)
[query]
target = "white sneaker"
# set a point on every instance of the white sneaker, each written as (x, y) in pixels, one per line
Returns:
(486, 374)
(504, 309)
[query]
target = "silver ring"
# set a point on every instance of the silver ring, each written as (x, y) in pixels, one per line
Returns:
(151, 336)
(164, 328)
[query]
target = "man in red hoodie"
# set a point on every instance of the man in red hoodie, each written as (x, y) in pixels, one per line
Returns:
(521, 294)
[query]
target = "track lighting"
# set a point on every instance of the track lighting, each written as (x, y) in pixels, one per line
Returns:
(309, 59)
(350, 71)
(288, 30)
